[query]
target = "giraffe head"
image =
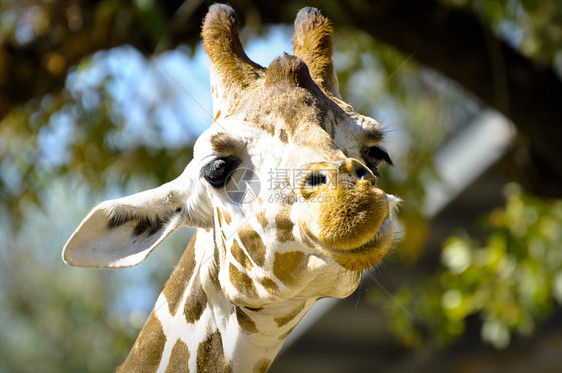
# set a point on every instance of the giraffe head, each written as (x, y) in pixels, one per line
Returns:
(284, 179)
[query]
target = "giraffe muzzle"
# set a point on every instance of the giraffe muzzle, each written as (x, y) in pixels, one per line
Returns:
(345, 213)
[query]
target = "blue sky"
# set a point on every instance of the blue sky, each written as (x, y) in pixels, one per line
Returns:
(162, 101)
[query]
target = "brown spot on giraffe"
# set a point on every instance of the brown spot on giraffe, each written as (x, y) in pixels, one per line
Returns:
(227, 217)
(267, 127)
(284, 225)
(147, 351)
(195, 303)
(287, 266)
(262, 366)
(179, 358)
(210, 355)
(219, 218)
(253, 244)
(283, 336)
(283, 320)
(245, 321)
(218, 113)
(175, 287)
(260, 216)
(214, 271)
(269, 285)
(283, 136)
(241, 281)
(240, 256)
(222, 143)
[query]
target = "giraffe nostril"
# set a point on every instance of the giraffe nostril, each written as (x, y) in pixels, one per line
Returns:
(356, 169)
(316, 178)
(362, 173)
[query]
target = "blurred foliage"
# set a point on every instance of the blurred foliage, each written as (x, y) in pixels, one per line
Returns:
(44, 304)
(418, 108)
(55, 318)
(532, 26)
(512, 282)
(41, 40)
(107, 134)
(83, 130)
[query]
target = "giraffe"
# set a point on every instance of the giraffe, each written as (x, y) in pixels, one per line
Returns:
(263, 253)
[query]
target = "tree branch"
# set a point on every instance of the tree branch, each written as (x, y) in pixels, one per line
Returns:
(456, 43)
(451, 40)
(72, 30)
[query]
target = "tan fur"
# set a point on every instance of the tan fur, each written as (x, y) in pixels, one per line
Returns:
(147, 351)
(235, 71)
(288, 266)
(219, 217)
(313, 43)
(176, 285)
(283, 136)
(242, 282)
(260, 216)
(245, 321)
(214, 271)
(269, 285)
(354, 218)
(196, 303)
(285, 319)
(227, 217)
(210, 355)
(253, 243)
(284, 336)
(284, 225)
(179, 358)
(224, 144)
(240, 255)
(262, 366)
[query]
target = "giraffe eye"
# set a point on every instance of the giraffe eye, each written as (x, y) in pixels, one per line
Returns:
(218, 171)
(374, 156)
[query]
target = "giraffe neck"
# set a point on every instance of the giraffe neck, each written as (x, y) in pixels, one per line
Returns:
(194, 324)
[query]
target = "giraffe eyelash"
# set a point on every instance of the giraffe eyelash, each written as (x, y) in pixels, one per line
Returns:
(374, 156)
(218, 172)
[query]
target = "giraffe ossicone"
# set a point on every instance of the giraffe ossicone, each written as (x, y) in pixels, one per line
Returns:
(282, 188)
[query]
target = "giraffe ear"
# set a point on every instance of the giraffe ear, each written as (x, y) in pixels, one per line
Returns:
(231, 69)
(122, 232)
(313, 43)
